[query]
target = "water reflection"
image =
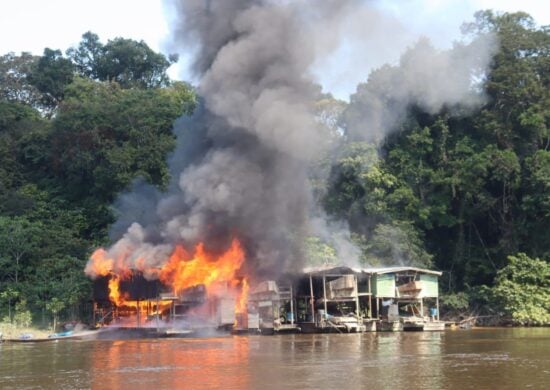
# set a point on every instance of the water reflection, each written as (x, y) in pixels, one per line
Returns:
(348, 360)
(499, 358)
(213, 363)
(492, 358)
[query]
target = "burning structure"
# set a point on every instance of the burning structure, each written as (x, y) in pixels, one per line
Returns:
(191, 287)
(218, 246)
(340, 299)
(238, 207)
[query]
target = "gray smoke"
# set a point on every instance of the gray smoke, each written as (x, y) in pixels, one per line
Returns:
(240, 168)
(426, 77)
(241, 165)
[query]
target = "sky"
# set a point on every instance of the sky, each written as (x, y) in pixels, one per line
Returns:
(32, 25)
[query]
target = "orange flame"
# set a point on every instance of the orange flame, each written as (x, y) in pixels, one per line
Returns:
(202, 269)
(114, 290)
(240, 306)
(181, 271)
(99, 264)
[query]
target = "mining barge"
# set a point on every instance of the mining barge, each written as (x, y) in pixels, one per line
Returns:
(321, 299)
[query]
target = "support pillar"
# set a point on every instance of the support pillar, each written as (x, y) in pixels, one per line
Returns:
(370, 298)
(312, 299)
(325, 294)
(292, 305)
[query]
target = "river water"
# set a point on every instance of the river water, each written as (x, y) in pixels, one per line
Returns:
(459, 359)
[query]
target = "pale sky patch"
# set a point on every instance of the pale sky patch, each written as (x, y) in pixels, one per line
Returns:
(32, 25)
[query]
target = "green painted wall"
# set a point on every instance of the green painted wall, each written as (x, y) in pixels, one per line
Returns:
(384, 285)
(429, 285)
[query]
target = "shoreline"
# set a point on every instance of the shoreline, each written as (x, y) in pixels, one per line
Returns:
(9, 331)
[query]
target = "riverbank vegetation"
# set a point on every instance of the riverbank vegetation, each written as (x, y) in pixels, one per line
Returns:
(462, 190)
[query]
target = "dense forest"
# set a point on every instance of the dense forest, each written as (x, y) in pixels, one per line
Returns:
(464, 191)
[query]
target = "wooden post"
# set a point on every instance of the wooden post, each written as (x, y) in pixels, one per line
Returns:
(437, 306)
(421, 307)
(370, 299)
(325, 294)
(138, 315)
(312, 302)
(94, 308)
(292, 305)
(173, 311)
(157, 312)
(357, 307)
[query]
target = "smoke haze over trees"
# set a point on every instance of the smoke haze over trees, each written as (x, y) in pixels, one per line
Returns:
(439, 160)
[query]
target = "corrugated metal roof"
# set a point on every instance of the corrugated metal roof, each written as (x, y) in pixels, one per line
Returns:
(388, 270)
(373, 270)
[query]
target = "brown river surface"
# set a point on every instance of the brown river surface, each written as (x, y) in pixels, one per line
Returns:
(459, 359)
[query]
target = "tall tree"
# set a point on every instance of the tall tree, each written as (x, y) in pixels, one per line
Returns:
(14, 79)
(50, 75)
(87, 55)
(128, 62)
(18, 239)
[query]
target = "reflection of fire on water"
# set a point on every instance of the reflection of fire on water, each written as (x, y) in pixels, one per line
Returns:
(195, 286)
(125, 364)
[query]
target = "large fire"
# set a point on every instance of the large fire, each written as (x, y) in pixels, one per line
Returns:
(182, 270)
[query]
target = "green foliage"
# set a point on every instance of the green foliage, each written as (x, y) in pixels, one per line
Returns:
(22, 317)
(466, 187)
(376, 203)
(59, 174)
(522, 289)
(104, 136)
(361, 187)
(536, 203)
(13, 115)
(87, 55)
(319, 253)
(124, 61)
(50, 75)
(455, 302)
(14, 83)
(16, 119)
(7, 297)
(54, 306)
(19, 238)
(398, 243)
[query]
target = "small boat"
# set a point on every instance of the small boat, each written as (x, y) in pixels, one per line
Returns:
(70, 335)
(26, 338)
